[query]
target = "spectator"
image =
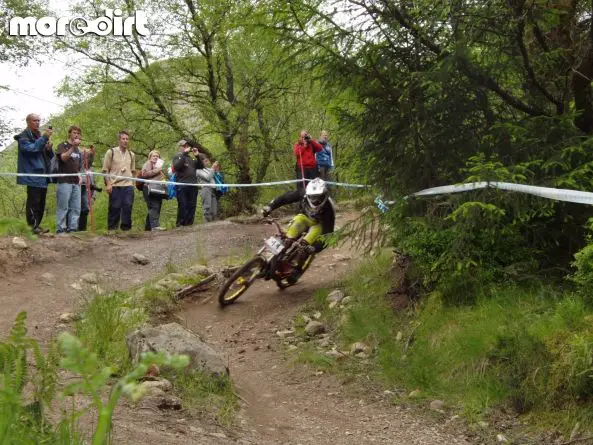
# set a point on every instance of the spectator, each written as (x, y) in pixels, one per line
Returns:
(185, 167)
(34, 155)
(325, 158)
(153, 193)
(120, 161)
(68, 187)
(206, 176)
(304, 151)
(221, 187)
(87, 188)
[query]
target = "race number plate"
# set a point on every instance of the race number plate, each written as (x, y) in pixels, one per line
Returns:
(274, 245)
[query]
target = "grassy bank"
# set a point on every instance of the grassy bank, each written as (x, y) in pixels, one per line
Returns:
(106, 320)
(31, 388)
(528, 350)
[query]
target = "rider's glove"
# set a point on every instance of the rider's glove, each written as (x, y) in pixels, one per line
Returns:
(266, 210)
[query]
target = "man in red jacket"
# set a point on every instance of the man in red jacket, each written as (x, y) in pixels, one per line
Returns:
(306, 165)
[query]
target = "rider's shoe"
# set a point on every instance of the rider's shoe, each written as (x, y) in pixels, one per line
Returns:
(266, 210)
(294, 276)
(308, 249)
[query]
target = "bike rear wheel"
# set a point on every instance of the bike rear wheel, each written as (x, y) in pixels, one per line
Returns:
(240, 281)
(284, 282)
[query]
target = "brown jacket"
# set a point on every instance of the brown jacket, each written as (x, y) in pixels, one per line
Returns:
(148, 172)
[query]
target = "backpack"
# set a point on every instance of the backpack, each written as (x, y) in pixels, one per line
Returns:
(139, 184)
(171, 189)
(53, 168)
(221, 188)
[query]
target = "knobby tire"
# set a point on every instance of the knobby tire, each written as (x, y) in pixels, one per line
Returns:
(223, 300)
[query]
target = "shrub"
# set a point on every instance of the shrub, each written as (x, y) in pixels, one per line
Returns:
(583, 276)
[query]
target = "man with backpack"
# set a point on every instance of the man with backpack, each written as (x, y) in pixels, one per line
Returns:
(34, 156)
(120, 164)
(68, 187)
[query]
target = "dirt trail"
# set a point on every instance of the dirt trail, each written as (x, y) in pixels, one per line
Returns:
(282, 404)
(66, 258)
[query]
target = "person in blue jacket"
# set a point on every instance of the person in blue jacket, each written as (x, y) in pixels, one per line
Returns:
(325, 158)
(34, 155)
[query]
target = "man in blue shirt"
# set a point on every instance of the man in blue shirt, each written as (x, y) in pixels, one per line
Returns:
(325, 158)
(34, 155)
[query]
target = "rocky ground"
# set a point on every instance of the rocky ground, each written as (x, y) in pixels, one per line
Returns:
(281, 403)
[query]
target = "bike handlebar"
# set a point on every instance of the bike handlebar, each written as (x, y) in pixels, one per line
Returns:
(274, 221)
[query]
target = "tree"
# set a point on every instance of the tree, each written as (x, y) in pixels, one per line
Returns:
(221, 77)
(17, 49)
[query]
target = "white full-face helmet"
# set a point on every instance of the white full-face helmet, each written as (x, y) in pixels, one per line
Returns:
(316, 195)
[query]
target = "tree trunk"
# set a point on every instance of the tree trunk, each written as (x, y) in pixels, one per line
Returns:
(244, 198)
(583, 94)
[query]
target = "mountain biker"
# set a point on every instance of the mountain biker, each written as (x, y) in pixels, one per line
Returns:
(316, 217)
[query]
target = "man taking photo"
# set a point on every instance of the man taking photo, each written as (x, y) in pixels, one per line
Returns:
(34, 155)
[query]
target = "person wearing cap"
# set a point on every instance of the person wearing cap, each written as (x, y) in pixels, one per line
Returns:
(185, 166)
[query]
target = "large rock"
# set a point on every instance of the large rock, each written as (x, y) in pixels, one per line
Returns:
(138, 258)
(360, 347)
(437, 405)
(152, 385)
(335, 295)
(199, 269)
(89, 278)
(69, 317)
(168, 283)
(314, 328)
(19, 243)
(172, 339)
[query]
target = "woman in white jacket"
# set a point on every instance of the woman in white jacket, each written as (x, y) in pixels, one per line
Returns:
(206, 176)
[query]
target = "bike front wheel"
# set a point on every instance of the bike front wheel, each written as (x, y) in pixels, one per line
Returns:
(240, 281)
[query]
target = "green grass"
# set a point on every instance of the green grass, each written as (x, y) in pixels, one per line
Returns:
(157, 301)
(525, 349)
(107, 319)
(207, 396)
(15, 227)
(318, 360)
(190, 279)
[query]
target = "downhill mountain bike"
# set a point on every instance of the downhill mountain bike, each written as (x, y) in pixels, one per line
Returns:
(276, 260)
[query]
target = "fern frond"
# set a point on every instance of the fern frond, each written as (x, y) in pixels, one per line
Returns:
(18, 333)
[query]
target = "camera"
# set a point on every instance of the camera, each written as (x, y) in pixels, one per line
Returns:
(95, 188)
(307, 137)
(50, 127)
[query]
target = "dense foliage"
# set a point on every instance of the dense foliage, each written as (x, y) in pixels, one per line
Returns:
(459, 92)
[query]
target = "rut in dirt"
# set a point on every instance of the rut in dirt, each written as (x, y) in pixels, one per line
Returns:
(285, 403)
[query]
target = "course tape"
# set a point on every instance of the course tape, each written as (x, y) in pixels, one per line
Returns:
(152, 181)
(566, 195)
